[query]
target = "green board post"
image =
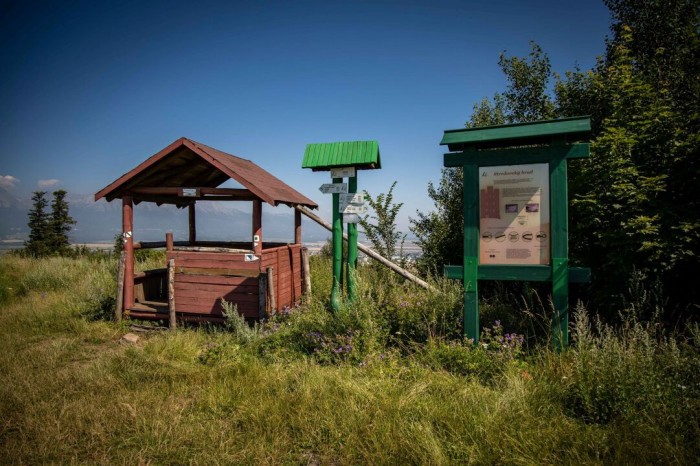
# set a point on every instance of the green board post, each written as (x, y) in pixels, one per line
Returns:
(560, 253)
(352, 248)
(471, 253)
(543, 142)
(336, 291)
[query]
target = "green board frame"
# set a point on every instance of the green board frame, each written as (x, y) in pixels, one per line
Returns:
(518, 144)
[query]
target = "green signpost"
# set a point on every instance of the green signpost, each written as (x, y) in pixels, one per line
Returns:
(516, 210)
(343, 160)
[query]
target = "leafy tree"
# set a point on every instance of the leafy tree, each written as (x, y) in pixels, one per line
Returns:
(60, 224)
(38, 226)
(440, 232)
(383, 234)
(526, 98)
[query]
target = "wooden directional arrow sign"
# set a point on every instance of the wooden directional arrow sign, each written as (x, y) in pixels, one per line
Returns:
(333, 188)
(352, 198)
(354, 209)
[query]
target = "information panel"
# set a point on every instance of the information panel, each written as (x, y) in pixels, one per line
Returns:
(514, 214)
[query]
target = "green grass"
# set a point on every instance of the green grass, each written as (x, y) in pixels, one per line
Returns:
(408, 391)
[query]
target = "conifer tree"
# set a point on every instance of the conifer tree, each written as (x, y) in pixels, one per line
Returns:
(37, 245)
(60, 224)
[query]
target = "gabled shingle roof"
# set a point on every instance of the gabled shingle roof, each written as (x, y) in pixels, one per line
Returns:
(187, 163)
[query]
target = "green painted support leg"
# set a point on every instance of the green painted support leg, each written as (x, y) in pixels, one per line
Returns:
(337, 251)
(560, 299)
(352, 248)
(471, 253)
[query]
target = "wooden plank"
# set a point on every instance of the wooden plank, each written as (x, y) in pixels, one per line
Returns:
(179, 255)
(221, 292)
(218, 264)
(214, 280)
(209, 300)
(185, 287)
(237, 272)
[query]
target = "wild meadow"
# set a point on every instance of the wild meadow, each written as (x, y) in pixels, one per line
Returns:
(386, 380)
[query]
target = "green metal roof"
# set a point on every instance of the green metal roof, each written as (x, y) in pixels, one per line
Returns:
(517, 133)
(358, 154)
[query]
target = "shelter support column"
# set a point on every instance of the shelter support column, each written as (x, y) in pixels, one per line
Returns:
(297, 227)
(127, 237)
(257, 227)
(471, 252)
(193, 223)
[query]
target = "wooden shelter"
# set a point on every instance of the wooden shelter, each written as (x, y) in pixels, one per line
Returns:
(257, 277)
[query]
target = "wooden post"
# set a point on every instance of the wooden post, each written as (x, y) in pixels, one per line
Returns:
(257, 227)
(127, 235)
(169, 243)
(306, 284)
(262, 296)
(193, 224)
(119, 308)
(171, 293)
(271, 289)
(297, 227)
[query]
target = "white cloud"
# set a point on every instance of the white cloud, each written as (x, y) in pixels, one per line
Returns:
(8, 181)
(47, 183)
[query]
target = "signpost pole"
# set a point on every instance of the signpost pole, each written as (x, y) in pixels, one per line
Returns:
(352, 248)
(337, 250)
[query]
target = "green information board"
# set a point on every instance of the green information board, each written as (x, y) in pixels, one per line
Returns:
(516, 209)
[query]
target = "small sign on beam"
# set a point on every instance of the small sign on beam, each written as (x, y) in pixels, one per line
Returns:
(333, 188)
(351, 218)
(189, 192)
(342, 172)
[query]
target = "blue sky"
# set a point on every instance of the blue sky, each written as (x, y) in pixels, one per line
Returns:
(90, 89)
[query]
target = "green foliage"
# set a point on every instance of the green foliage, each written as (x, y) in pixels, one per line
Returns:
(440, 232)
(37, 245)
(526, 97)
(382, 232)
(60, 224)
(49, 234)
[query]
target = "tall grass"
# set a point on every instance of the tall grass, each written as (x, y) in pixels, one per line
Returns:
(386, 380)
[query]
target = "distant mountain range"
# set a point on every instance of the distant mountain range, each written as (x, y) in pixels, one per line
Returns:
(100, 221)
